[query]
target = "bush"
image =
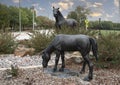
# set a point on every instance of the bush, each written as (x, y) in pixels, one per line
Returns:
(109, 49)
(7, 43)
(76, 31)
(40, 41)
(104, 25)
(13, 71)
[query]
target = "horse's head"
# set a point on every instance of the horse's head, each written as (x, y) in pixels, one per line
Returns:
(46, 58)
(56, 11)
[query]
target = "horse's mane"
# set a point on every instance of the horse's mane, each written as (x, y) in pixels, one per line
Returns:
(59, 16)
(60, 13)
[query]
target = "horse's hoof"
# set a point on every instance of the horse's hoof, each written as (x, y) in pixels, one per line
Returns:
(82, 72)
(87, 79)
(61, 69)
(54, 70)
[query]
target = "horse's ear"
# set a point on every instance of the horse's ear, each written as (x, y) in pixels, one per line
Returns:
(53, 7)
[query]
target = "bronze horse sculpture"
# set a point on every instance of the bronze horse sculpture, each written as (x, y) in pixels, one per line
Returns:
(62, 43)
(61, 21)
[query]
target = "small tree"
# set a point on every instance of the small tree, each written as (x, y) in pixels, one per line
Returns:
(43, 21)
(7, 43)
(4, 17)
(80, 14)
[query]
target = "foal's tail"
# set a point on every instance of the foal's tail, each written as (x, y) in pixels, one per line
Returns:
(94, 47)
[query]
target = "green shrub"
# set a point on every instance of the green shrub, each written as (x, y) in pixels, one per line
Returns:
(76, 31)
(25, 42)
(109, 49)
(12, 72)
(7, 43)
(40, 41)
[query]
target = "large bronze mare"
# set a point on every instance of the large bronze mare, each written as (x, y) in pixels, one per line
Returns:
(62, 43)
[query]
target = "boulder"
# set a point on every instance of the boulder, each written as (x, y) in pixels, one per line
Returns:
(77, 60)
(76, 54)
(76, 57)
(22, 51)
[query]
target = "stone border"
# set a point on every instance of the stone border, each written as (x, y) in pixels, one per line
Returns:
(25, 67)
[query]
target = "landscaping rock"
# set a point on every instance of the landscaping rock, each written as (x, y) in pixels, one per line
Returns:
(76, 57)
(22, 51)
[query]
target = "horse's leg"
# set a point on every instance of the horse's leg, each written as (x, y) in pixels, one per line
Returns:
(83, 67)
(56, 25)
(56, 61)
(90, 65)
(59, 26)
(63, 61)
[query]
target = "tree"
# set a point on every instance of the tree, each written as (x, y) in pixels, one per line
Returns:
(14, 17)
(73, 15)
(26, 17)
(30, 16)
(80, 14)
(4, 17)
(105, 25)
(43, 21)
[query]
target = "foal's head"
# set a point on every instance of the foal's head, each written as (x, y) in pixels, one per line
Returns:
(46, 58)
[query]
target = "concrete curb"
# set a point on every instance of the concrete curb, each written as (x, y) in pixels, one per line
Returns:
(26, 67)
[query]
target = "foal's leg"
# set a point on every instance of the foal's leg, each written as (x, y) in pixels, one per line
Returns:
(63, 61)
(83, 67)
(56, 61)
(90, 65)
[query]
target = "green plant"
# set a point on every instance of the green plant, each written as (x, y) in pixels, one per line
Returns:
(40, 41)
(13, 71)
(68, 30)
(7, 43)
(109, 49)
(27, 43)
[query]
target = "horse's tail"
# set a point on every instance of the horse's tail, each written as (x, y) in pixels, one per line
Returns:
(94, 47)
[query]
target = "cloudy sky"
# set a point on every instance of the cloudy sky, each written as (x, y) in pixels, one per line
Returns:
(104, 9)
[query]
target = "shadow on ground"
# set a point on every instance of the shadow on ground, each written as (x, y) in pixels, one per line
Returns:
(66, 74)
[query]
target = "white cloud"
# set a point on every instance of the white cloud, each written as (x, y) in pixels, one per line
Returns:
(41, 9)
(37, 8)
(116, 2)
(96, 14)
(64, 5)
(35, 4)
(15, 1)
(108, 16)
(82, 0)
(96, 4)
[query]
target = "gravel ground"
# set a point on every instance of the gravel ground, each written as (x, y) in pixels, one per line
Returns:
(7, 60)
(36, 76)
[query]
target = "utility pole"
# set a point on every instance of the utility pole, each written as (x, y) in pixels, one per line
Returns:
(19, 17)
(119, 7)
(32, 8)
(99, 26)
(119, 10)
